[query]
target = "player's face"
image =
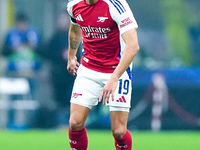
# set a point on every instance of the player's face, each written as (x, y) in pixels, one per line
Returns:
(22, 25)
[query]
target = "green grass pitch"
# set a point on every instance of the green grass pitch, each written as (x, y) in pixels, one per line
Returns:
(98, 140)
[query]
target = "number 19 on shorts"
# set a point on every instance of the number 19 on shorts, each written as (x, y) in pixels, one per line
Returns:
(123, 86)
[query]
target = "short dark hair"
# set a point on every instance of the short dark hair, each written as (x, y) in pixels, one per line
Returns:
(21, 17)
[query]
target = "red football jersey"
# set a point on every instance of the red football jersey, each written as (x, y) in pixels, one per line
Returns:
(102, 25)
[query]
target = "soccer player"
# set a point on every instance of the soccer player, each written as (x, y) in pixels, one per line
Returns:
(108, 31)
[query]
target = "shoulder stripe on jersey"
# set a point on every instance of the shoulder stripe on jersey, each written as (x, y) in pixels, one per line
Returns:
(115, 6)
(121, 4)
(118, 5)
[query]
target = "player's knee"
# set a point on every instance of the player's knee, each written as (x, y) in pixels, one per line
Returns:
(119, 132)
(75, 124)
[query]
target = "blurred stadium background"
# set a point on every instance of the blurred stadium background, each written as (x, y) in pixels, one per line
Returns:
(166, 74)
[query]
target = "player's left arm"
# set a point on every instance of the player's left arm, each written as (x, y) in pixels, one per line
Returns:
(129, 53)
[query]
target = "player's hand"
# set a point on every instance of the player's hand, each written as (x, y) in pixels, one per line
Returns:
(108, 90)
(72, 65)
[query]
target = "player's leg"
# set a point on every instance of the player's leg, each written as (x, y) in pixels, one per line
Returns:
(119, 110)
(77, 131)
(85, 95)
(123, 139)
(78, 115)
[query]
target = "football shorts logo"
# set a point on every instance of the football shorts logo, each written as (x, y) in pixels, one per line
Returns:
(76, 95)
(121, 100)
(79, 18)
(102, 19)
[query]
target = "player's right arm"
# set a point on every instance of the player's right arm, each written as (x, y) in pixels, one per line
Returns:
(74, 42)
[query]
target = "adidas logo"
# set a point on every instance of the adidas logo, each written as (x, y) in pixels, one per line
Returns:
(121, 100)
(79, 18)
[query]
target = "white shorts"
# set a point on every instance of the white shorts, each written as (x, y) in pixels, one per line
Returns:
(89, 84)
